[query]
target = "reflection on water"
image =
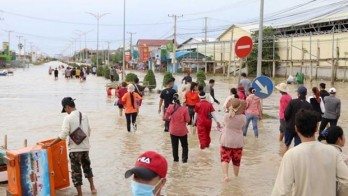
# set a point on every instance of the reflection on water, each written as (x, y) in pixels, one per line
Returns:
(30, 109)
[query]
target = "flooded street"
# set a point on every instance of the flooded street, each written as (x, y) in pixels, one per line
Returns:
(30, 104)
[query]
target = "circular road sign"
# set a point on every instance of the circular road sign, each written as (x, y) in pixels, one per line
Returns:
(263, 86)
(243, 46)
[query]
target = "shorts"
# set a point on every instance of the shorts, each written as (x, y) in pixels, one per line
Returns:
(282, 126)
(231, 153)
(78, 160)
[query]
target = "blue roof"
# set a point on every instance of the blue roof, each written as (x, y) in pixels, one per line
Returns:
(179, 54)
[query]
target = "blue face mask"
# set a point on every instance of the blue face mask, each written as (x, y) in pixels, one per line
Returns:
(140, 189)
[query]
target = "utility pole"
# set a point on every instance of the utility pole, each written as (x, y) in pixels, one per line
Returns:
(333, 58)
(19, 44)
(24, 49)
(124, 42)
(31, 51)
(174, 41)
(230, 59)
(259, 52)
(131, 44)
(205, 41)
(108, 52)
(9, 39)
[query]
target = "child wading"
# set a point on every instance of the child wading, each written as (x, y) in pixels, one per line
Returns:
(178, 116)
(204, 112)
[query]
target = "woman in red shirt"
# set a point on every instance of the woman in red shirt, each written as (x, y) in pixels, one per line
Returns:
(178, 117)
(120, 92)
(204, 113)
(191, 99)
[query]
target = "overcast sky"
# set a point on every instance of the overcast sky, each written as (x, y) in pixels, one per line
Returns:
(51, 24)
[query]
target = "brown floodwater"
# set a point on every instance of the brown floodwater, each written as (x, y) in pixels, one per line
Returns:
(30, 104)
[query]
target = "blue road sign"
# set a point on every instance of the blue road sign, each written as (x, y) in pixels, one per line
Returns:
(264, 86)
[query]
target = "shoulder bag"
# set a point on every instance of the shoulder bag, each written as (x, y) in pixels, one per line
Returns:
(174, 110)
(78, 135)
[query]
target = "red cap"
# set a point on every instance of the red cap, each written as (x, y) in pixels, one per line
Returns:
(149, 165)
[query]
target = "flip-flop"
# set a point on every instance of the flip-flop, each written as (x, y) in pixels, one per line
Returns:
(94, 191)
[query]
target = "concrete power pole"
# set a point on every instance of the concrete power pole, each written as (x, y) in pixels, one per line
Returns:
(174, 41)
(205, 41)
(131, 44)
(19, 43)
(108, 52)
(9, 39)
(259, 52)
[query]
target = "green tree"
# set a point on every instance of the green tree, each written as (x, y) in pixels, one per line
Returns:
(116, 58)
(267, 51)
(130, 77)
(100, 71)
(150, 79)
(201, 77)
(94, 62)
(106, 72)
(167, 76)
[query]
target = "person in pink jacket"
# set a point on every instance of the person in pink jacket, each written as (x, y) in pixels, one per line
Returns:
(231, 139)
(178, 116)
(253, 112)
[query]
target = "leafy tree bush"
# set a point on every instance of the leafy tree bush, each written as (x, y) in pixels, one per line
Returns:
(201, 77)
(130, 77)
(150, 79)
(267, 51)
(106, 72)
(167, 76)
(100, 71)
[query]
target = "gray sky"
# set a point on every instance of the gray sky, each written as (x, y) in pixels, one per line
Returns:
(50, 25)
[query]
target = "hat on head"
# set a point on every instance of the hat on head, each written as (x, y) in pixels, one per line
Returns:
(202, 95)
(302, 90)
(149, 165)
(67, 101)
(241, 88)
(236, 107)
(332, 91)
(282, 87)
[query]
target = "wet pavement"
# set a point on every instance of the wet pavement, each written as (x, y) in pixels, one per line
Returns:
(30, 109)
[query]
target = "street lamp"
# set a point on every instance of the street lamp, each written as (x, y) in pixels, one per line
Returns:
(85, 34)
(80, 35)
(98, 17)
(124, 41)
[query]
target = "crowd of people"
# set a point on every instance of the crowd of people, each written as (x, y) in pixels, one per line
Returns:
(310, 168)
(70, 72)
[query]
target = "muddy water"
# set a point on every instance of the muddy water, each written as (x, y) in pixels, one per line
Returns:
(30, 109)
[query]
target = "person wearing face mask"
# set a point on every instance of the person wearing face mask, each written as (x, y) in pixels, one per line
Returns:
(149, 174)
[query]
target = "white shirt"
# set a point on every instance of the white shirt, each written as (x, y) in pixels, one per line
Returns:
(70, 123)
(311, 168)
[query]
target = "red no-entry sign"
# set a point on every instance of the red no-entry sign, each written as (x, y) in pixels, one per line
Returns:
(243, 46)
